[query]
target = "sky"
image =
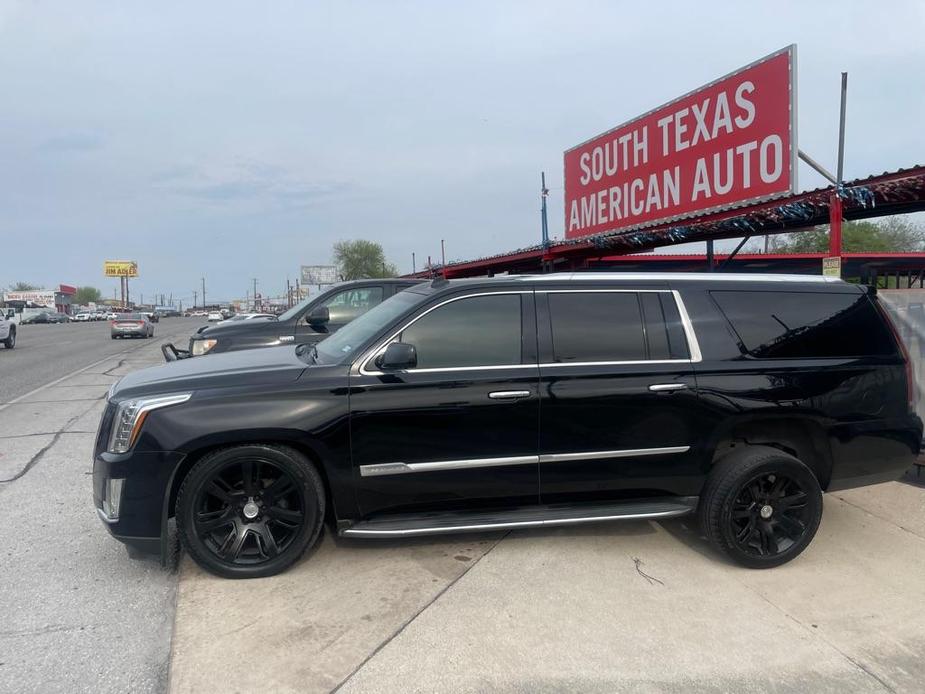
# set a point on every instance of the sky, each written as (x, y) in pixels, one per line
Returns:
(239, 140)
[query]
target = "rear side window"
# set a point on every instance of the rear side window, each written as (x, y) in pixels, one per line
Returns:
(615, 326)
(785, 325)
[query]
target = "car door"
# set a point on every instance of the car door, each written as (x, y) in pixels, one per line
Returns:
(459, 430)
(619, 407)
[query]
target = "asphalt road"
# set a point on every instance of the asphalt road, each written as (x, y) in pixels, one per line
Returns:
(44, 353)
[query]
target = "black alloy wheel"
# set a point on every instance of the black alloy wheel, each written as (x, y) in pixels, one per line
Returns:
(760, 506)
(770, 514)
(250, 511)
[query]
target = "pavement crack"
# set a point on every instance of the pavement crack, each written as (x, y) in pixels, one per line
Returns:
(34, 460)
(417, 614)
(108, 371)
(819, 634)
(876, 515)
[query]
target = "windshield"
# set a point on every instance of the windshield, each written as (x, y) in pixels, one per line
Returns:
(342, 345)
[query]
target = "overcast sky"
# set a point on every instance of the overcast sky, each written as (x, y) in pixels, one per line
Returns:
(234, 140)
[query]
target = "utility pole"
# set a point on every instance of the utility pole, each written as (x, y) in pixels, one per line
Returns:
(203, 292)
(288, 294)
(195, 297)
(413, 263)
(255, 296)
(443, 258)
(544, 192)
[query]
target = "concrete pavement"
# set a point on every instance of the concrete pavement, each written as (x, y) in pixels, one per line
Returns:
(77, 614)
(621, 607)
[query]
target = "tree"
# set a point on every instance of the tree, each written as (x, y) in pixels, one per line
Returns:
(23, 287)
(892, 234)
(358, 260)
(86, 295)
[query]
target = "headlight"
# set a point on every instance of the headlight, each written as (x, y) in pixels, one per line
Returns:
(200, 347)
(130, 416)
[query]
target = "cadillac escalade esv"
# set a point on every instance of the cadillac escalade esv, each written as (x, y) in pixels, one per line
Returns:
(516, 402)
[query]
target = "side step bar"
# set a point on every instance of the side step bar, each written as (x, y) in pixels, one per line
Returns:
(528, 517)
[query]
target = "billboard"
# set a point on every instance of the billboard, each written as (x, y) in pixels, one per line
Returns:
(319, 274)
(120, 268)
(730, 142)
(36, 297)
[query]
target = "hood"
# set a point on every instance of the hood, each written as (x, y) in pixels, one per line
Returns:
(242, 326)
(246, 367)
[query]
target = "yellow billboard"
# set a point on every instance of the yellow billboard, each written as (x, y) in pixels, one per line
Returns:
(120, 268)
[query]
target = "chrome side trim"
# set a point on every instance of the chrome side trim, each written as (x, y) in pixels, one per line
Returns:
(600, 455)
(398, 468)
(666, 387)
(635, 362)
(408, 532)
(402, 468)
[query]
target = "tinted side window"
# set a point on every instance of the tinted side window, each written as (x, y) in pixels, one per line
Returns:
(479, 331)
(596, 326)
(351, 303)
(781, 325)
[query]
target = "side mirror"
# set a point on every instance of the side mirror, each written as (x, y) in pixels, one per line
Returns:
(398, 355)
(318, 316)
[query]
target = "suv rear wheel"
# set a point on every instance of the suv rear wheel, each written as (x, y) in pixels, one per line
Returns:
(250, 511)
(760, 506)
(10, 341)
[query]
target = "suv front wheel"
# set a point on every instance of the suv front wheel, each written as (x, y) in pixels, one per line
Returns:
(250, 511)
(10, 341)
(760, 506)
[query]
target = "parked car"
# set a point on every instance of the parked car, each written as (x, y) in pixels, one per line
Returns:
(521, 402)
(83, 317)
(7, 328)
(131, 325)
(310, 321)
(45, 317)
(215, 316)
(112, 315)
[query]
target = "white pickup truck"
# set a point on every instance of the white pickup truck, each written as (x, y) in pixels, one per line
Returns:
(7, 328)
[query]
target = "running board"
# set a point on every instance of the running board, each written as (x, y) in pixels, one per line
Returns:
(529, 517)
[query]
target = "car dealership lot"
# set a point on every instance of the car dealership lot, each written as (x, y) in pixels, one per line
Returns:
(637, 606)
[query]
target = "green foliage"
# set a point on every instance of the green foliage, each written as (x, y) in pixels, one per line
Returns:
(23, 287)
(357, 260)
(889, 235)
(86, 295)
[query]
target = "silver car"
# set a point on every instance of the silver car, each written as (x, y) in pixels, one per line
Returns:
(131, 325)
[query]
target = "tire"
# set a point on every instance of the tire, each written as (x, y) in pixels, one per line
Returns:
(760, 507)
(238, 532)
(10, 341)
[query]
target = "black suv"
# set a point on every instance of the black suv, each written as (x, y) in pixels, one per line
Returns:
(520, 402)
(311, 320)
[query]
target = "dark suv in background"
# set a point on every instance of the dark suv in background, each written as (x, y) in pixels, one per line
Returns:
(309, 321)
(520, 402)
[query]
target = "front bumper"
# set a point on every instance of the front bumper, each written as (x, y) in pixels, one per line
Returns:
(147, 477)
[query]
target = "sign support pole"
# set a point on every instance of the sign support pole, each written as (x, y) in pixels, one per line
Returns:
(835, 202)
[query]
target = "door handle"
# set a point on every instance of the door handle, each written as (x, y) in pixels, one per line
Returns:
(666, 387)
(509, 394)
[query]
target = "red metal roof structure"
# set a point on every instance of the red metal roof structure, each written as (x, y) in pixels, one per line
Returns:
(898, 192)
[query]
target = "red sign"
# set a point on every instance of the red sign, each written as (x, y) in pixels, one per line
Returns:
(732, 141)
